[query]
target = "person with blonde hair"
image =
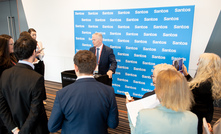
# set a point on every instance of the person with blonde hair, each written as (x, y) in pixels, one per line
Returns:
(172, 115)
(157, 69)
(205, 86)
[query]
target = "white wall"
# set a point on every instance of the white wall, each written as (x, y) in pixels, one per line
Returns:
(54, 22)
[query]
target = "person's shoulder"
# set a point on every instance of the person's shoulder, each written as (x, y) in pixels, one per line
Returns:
(107, 47)
(191, 115)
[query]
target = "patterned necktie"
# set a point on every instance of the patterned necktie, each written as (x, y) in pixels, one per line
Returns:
(97, 54)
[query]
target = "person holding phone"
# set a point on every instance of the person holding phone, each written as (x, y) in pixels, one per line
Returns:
(205, 86)
(38, 63)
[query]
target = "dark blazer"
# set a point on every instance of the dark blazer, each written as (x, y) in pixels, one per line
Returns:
(21, 100)
(203, 106)
(84, 107)
(107, 60)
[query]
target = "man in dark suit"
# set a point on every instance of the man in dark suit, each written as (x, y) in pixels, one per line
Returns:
(21, 93)
(86, 106)
(106, 61)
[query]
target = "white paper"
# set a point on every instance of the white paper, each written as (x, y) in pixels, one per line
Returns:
(134, 107)
(205, 127)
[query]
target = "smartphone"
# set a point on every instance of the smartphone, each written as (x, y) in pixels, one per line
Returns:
(128, 96)
(41, 49)
(178, 64)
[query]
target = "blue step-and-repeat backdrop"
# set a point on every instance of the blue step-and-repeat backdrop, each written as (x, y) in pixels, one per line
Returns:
(140, 38)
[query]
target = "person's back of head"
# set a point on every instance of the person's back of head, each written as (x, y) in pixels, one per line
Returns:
(85, 61)
(209, 69)
(24, 34)
(173, 91)
(24, 47)
(163, 66)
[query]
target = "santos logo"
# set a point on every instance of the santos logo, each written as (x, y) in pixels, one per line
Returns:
(79, 26)
(123, 27)
(131, 48)
(138, 95)
(146, 77)
(86, 45)
(148, 63)
(158, 57)
(92, 13)
(139, 69)
(108, 26)
(161, 11)
(115, 33)
(118, 73)
(168, 50)
(122, 54)
(85, 32)
(169, 35)
(181, 27)
(117, 20)
(79, 13)
(147, 90)
(132, 19)
(124, 80)
(123, 40)
(140, 55)
(107, 13)
(80, 38)
(131, 34)
(85, 19)
(149, 34)
(115, 85)
(133, 75)
(139, 82)
(92, 26)
(123, 12)
(115, 47)
(171, 19)
(100, 20)
(122, 67)
(150, 19)
(108, 40)
(131, 61)
(123, 92)
(130, 87)
(118, 60)
(103, 33)
(174, 58)
(159, 42)
(140, 41)
(182, 10)
(140, 27)
(149, 49)
(141, 12)
(159, 27)
(180, 43)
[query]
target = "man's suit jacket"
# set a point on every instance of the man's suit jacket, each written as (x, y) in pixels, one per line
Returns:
(21, 100)
(107, 60)
(84, 107)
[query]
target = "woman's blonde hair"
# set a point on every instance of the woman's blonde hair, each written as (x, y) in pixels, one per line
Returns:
(173, 91)
(209, 68)
(163, 66)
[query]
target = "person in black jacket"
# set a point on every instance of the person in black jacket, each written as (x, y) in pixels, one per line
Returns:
(205, 86)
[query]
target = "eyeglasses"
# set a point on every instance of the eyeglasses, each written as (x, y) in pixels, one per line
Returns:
(152, 76)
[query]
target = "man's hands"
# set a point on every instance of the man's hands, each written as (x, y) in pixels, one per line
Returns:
(109, 73)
